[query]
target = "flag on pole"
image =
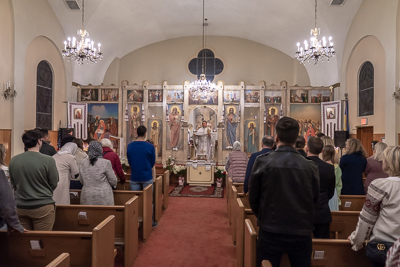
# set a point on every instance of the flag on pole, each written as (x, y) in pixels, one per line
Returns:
(346, 126)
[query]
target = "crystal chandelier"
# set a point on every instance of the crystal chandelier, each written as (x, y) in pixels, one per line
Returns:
(202, 85)
(316, 50)
(84, 50)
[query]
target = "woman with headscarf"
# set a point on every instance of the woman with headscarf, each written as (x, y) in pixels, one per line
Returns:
(97, 177)
(236, 163)
(67, 169)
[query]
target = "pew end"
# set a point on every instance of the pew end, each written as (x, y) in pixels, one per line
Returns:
(166, 190)
(250, 243)
(266, 263)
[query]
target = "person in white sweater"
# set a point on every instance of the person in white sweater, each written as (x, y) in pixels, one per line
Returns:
(379, 218)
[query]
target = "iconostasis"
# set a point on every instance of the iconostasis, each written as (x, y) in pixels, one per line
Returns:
(172, 113)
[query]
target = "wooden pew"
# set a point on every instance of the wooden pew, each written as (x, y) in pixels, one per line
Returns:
(351, 203)
(145, 209)
(266, 263)
(126, 223)
(231, 199)
(250, 242)
(95, 248)
(343, 223)
(242, 214)
(165, 190)
(158, 199)
(233, 214)
(337, 252)
(61, 261)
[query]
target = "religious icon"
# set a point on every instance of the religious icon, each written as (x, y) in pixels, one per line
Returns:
(273, 97)
(103, 118)
(109, 94)
(199, 97)
(155, 96)
(252, 137)
(272, 119)
(231, 125)
(175, 96)
(298, 96)
(135, 95)
(252, 96)
(134, 122)
(155, 134)
(330, 113)
(175, 125)
(232, 96)
(308, 117)
(77, 113)
(89, 94)
(318, 96)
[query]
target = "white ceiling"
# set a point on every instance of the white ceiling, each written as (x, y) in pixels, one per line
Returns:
(123, 26)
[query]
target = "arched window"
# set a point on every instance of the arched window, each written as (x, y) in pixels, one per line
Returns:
(212, 65)
(44, 96)
(366, 90)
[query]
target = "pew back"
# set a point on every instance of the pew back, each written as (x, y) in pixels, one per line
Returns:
(343, 223)
(242, 215)
(95, 248)
(126, 223)
(351, 203)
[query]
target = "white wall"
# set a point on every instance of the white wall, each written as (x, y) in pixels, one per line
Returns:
(375, 18)
(6, 62)
(36, 19)
(243, 60)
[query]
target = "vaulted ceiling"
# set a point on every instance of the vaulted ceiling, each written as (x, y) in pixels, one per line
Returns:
(123, 26)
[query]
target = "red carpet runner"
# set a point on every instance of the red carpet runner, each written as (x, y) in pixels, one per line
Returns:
(192, 232)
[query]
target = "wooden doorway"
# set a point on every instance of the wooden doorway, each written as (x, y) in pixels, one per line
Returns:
(366, 136)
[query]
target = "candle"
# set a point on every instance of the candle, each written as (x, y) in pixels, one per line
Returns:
(99, 45)
(324, 41)
(298, 46)
(73, 42)
(305, 45)
(65, 45)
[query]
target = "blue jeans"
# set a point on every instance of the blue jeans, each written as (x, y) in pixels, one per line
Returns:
(139, 186)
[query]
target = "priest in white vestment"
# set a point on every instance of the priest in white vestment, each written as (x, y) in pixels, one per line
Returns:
(204, 142)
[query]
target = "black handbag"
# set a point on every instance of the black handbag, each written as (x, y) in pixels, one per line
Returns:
(377, 250)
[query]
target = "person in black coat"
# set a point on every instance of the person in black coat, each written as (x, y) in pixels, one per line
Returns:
(267, 143)
(46, 148)
(353, 165)
(322, 215)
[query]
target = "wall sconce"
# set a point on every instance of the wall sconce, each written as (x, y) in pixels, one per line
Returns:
(396, 94)
(9, 93)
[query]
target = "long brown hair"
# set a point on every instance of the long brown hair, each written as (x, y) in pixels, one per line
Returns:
(328, 153)
(2, 155)
(354, 145)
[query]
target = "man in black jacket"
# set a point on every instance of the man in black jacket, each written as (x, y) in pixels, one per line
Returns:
(283, 192)
(46, 148)
(323, 217)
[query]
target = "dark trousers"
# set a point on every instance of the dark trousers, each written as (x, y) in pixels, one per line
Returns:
(271, 246)
(321, 230)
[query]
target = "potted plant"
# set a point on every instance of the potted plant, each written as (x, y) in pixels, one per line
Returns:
(125, 164)
(219, 173)
(180, 170)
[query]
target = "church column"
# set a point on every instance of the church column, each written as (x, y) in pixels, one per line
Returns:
(220, 159)
(186, 152)
(241, 105)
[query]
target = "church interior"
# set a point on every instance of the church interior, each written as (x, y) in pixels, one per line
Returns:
(200, 75)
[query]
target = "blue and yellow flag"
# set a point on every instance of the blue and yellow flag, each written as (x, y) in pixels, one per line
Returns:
(346, 126)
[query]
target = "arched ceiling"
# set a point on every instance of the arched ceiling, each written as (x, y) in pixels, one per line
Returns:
(123, 26)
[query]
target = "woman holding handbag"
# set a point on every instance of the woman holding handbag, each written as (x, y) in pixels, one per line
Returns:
(379, 218)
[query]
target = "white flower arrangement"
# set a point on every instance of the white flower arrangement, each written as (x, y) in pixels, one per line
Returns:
(219, 168)
(124, 161)
(178, 169)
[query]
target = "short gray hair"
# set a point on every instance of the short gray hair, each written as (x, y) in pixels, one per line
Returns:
(268, 141)
(106, 143)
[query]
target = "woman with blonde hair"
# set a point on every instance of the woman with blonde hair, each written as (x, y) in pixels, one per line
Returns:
(353, 164)
(378, 221)
(3, 159)
(328, 155)
(374, 165)
(329, 142)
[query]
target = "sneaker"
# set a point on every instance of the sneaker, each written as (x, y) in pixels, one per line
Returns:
(155, 224)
